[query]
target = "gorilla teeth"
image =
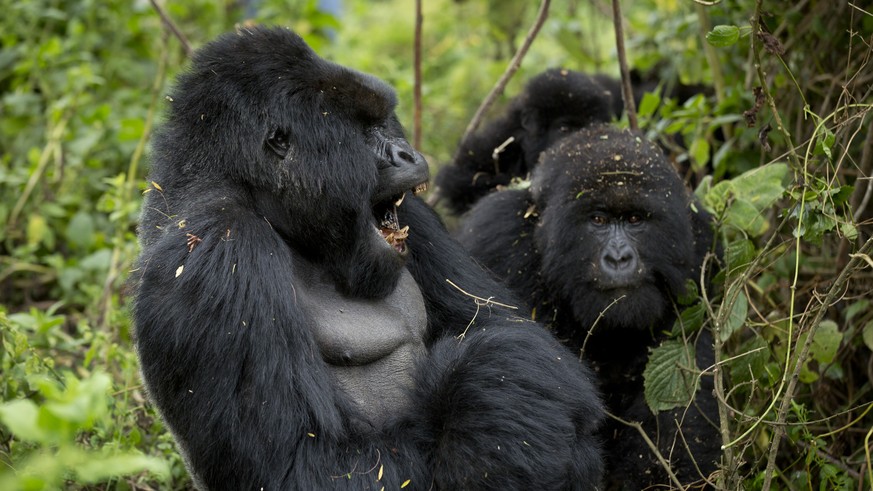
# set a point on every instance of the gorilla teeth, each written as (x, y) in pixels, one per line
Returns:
(420, 188)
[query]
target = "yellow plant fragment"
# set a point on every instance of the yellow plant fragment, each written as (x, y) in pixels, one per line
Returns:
(179, 270)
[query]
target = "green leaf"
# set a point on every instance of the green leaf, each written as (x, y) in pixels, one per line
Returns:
(670, 376)
(826, 342)
(867, 335)
(761, 186)
(37, 229)
(22, 418)
(737, 318)
(723, 35)
(750, 362)
(648, 104)
(699, 152)
(80, 230)
(97, 469)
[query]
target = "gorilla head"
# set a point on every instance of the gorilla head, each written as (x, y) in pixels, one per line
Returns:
(614, 225)
(308, 113)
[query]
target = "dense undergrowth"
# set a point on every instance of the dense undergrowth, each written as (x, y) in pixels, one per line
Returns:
(780, 150)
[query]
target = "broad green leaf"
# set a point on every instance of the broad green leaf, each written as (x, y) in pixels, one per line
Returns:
(22, 418)
(669, 377)
(738, 254)
(745, 216)
(80, 230)
(723, 35)
(649, 104)
(761, 186)
(826, 342)
(690, 320)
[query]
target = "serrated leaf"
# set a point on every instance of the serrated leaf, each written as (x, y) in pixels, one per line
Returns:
(723, 35)
(761, 186)
(690, 320)
(669, 378)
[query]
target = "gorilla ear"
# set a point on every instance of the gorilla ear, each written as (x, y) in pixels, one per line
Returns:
(279, 142)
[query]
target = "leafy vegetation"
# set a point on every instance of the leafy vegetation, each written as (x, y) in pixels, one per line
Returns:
(780, 150)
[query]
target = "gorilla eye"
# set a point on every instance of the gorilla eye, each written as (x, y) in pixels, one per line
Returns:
(634, 218)
(279, 142)
(598, 219)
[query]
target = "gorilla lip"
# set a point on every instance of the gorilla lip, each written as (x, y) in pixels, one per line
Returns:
(389, 225)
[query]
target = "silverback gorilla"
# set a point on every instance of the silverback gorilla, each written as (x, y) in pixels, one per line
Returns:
(294, 324)
(603, 241)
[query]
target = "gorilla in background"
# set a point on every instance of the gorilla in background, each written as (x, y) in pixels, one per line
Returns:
(606, 228)
(294, 323)
(552, 104)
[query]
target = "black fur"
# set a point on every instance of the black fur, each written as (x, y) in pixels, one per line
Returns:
(550, 243)
(270, 162)
(552, 104)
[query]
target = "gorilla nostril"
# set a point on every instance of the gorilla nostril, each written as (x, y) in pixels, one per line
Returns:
(400, 156)
(619, 260)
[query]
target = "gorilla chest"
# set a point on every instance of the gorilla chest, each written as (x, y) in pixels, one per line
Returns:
(370, 346)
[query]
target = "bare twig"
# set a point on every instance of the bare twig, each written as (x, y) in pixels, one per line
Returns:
(416, 94)
(626, 89)
(172, 27)
(510, 70)
(594, 324)
(652, 447)
(484, 301)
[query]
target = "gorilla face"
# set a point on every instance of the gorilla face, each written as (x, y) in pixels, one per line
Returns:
(614, 227)
(317, 146)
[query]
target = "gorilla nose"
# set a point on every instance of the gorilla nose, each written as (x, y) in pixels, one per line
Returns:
(619, 258)
(402, 156)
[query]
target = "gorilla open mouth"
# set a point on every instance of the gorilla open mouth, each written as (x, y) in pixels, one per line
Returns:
(387, 222)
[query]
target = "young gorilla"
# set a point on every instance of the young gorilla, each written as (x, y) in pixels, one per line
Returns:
(293, 320)
(606, 228)
(552, 104)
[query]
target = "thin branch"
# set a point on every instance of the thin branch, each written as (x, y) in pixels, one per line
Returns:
(175, 30)
(510, 70)
(416, 94)
(485, 301)
(857, 262)
(626, 89)
(652, 447)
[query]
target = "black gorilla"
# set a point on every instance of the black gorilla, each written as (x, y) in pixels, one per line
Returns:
(552, 104)
(605, 237)
(294, 322)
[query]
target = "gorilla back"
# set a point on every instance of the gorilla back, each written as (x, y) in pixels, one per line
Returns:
(293, 321)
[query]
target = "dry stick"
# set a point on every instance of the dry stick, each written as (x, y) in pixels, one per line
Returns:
(626, 89)
(652, 447)
(172, 27)
(857, 262)
(510, 70)
(416, 94)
